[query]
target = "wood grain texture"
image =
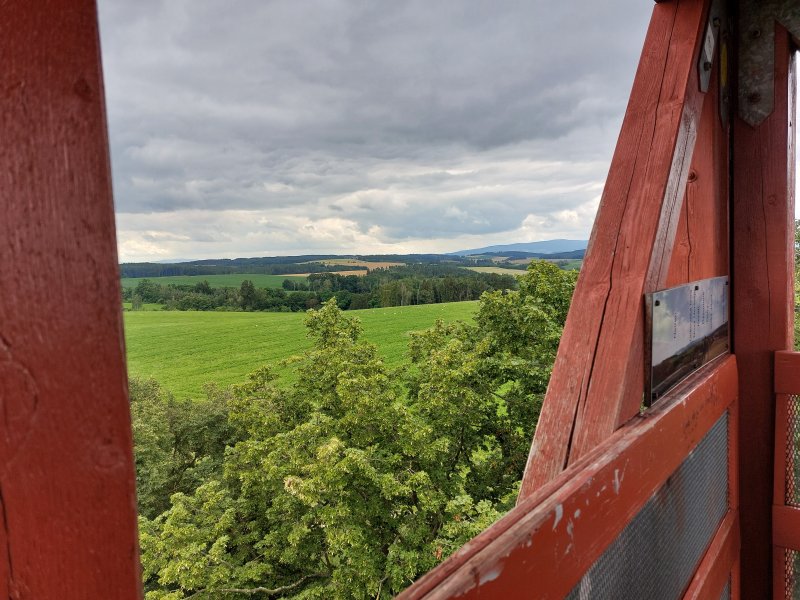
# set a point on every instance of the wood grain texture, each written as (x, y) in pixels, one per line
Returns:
(541, 549)
(66, 469)
(598, 377)
(762, 302)
(701, 241)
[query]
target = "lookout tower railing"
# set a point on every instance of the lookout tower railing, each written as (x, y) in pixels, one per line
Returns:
(652, 512)
(615, 503)
(786, 501)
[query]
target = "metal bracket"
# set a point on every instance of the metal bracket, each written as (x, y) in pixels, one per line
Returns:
(757, 53)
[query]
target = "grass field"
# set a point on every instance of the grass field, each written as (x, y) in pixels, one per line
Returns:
(572, 265)
(498, 270)
(354, 262)
(183, 350)
(233, 280)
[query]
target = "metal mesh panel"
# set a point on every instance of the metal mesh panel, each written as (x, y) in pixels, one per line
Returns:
(791, 564)
(658, 551)
(792, 447)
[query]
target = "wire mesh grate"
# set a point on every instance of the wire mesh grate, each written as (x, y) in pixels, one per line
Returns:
(791, 565)
(658, 551)
(792, 495)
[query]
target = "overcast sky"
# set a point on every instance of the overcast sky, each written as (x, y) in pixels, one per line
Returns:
(268, 127)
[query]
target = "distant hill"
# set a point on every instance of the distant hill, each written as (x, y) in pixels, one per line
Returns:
(543, 247)
(512, 255)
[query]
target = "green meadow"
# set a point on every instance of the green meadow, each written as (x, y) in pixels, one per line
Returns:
(184, 350)
(232, 280)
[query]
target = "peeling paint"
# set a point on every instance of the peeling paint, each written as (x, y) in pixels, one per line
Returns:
(577, 514)
(490, 575)
(617, 481)
(559, 514)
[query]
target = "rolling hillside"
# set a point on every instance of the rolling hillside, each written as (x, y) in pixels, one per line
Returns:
(184, 350)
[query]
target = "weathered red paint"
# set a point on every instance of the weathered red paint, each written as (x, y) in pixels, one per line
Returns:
(542, 549)
(701, 240)
(762, 303)
(66, 470)
(598, 377)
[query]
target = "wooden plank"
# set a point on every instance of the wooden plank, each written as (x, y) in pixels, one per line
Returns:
(67, 485)
(715, 568)
(628, 252)
(555, 541)
(701, 241)
(786, 526)
(787, 372)
(762, 303)
(779, 567)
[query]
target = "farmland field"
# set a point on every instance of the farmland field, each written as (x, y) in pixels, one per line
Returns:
(183, 350)
(354, 262)
(232, 280)
(356, 272)
(498, 270)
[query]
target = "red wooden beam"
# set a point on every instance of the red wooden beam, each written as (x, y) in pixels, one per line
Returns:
(598, 377)
(545, 545)
(701, 240)
(762, 303)
(786, 526)
(66, 470)
(787, 373)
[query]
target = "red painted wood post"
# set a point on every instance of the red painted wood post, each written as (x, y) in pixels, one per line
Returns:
(763, 299)
(598, 377)
(67, 484)
(701, 242)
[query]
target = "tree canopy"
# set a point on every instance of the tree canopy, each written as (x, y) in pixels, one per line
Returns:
(355, 479)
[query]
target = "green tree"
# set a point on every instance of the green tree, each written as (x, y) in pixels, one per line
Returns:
(247, 294)
(354, 480)
(179, 443)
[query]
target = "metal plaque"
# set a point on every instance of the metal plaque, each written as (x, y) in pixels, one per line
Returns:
(687, 327)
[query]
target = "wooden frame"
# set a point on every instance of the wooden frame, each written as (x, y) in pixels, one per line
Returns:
(785, 515)
(554, 536)
(762, 302)
(67, 486)
(629, 252)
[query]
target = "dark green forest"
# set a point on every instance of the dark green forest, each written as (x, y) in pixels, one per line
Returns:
(395, 286)
(315, 263)
(355, 479)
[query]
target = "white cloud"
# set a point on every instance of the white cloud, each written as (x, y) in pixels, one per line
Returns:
(328, 126)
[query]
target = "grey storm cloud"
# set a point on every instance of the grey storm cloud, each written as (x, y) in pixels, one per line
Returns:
(273, 127)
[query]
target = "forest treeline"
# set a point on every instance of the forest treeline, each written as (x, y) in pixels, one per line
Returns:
(353, 479)
(317, 263)
(394, 286)
(271, 265)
